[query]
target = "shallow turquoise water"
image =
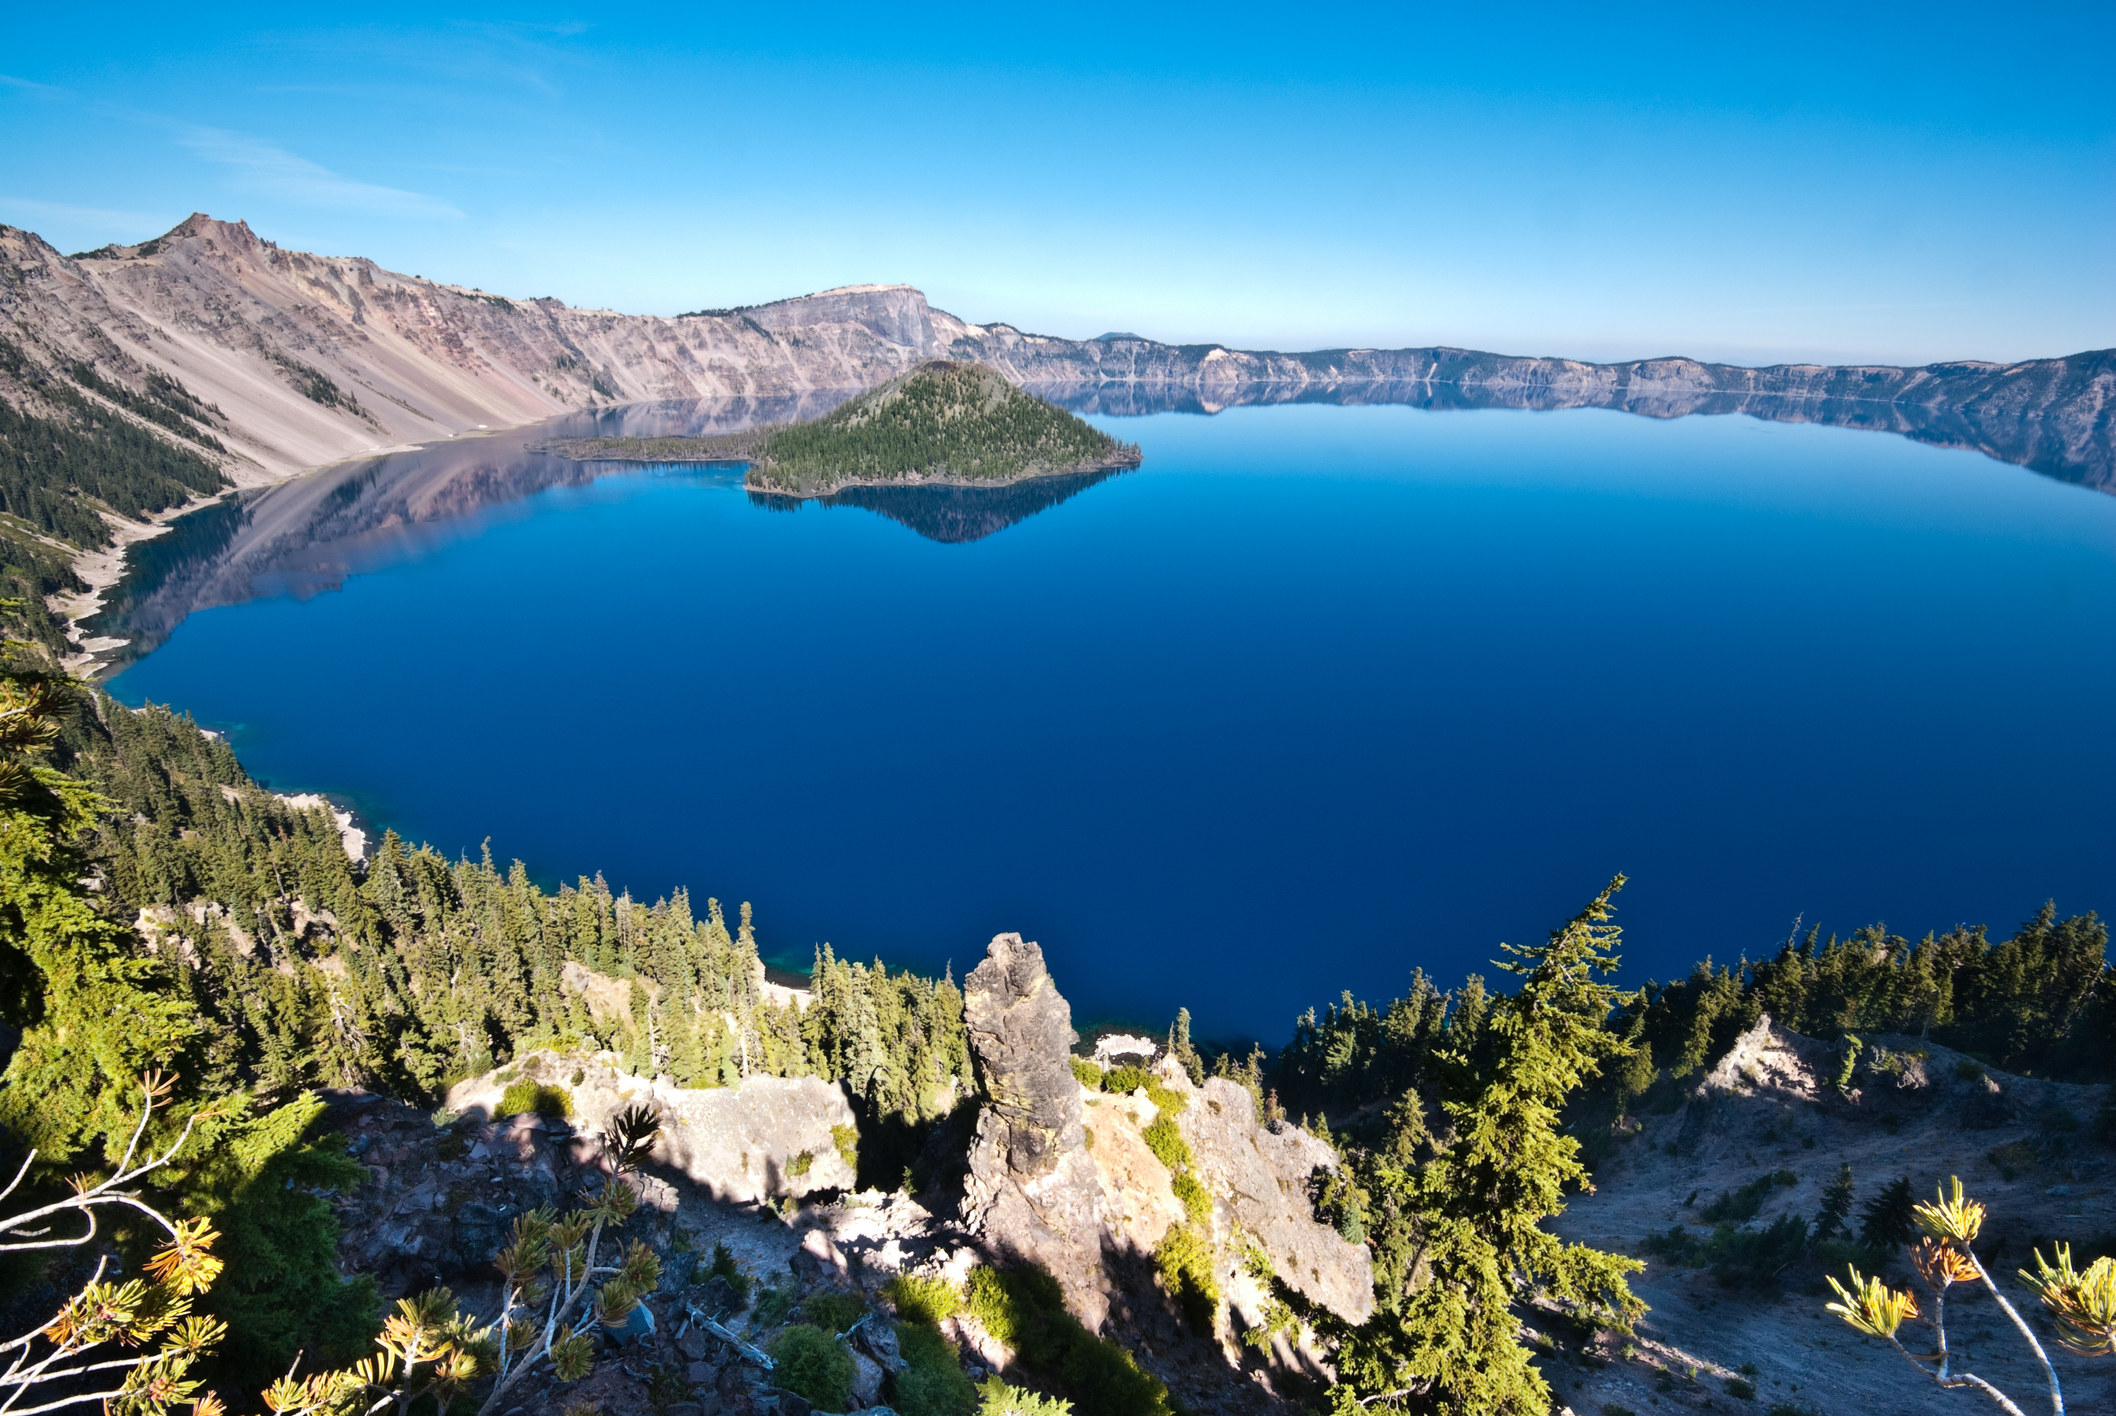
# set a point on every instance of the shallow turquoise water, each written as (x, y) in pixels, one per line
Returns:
(1316, 695)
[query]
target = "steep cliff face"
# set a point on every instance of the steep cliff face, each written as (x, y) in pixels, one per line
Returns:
(1258, 1176)
(315, 358)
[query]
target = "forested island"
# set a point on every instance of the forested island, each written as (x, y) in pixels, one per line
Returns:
(942, 424)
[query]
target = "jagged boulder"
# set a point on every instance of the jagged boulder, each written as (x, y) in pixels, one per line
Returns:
(1260, 1174)
(1021, 1029)
(1031, 1193)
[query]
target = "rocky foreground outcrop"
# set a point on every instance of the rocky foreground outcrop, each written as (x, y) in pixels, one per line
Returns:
(765, 1140)
(1787, 1112)
(1066, 1179)
(1258, 1177)
(1053, 1173)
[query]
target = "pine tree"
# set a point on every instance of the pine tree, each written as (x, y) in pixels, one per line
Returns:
(1458, 1222)
(1889, 1218)
(95, 1014)
(265, 1180)
(1180, 1048)
(1835, 1215)
(687, 1062)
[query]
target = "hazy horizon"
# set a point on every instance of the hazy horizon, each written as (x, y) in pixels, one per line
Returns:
(1831, 187)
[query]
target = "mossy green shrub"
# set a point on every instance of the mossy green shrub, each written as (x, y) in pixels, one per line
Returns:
(1124, 1080)
(847, 1141)
(527, 1096)
(1738, 1256)
(923, 1298)
(799, 1165)
(932, 1382)
(1745, 1202)
(833, 1311)
(814, 1365)
(996, 1398)
(1087, 1073)
(773, 1304)
(1024, 1308)
(1184, 1257)
(1167, 1143)
(1196, 1202)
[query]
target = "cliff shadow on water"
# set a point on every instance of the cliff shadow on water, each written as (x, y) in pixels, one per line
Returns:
(952, 514)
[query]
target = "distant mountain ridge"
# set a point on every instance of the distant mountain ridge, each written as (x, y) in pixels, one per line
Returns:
(315, 358)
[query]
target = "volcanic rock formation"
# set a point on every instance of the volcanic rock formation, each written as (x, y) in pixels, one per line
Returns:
(1032, 1192)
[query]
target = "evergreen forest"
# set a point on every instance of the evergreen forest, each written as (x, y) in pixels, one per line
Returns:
(92, 450)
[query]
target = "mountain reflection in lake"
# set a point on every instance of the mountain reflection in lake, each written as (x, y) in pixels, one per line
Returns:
(2079, 452)
(304, 537)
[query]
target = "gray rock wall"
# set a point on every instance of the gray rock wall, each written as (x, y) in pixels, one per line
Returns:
(1032, 1193)
(1260, 1174)
(1021, 1032)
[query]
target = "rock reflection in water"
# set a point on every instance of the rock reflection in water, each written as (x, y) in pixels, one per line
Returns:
(2081, 451)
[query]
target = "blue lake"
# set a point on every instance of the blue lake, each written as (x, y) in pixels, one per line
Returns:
(1316, 695)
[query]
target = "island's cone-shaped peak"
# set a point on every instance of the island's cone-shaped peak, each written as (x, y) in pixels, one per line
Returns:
(942, 423)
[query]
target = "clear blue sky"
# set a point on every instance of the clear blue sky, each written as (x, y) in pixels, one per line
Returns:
(1831, 181)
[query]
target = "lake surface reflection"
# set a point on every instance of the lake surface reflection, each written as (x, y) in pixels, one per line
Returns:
(1316, 695)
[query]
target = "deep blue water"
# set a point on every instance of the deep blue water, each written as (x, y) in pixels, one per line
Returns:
(1316, 695)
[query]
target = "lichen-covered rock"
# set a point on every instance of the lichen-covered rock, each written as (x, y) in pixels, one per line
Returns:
(1260, 1175)
(1021, 1029)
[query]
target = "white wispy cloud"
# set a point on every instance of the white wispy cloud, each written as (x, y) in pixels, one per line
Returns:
(262, 167)
(33, 209)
